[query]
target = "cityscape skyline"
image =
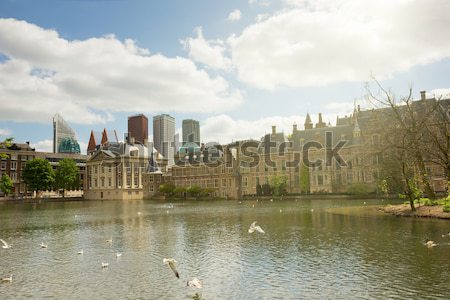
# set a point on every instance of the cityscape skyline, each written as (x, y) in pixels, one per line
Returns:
(219, 84)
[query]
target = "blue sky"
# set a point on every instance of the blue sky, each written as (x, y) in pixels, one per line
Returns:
(236, 66)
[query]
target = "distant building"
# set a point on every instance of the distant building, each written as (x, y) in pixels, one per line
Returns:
(103, 138)
(64, 138)
(191, 131)
(138, 129)
(17, 156)
(163, 136)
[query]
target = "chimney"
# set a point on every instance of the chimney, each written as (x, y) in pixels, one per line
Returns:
(423, 95)
(294, 127)
(274, 129)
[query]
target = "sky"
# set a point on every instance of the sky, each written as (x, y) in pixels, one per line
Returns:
(238, 67)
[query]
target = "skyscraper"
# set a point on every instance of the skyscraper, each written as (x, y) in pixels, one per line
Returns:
(64, 138)
(138, 128)
(163, 136)
(191, 131)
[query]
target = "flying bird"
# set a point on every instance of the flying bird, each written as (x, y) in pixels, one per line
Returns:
(171, 262)
(44, 245)
(7, 279)
(253, 227)
(80, 252)
(105, 265)
(5, 245)
(194, 282)
(118, 254)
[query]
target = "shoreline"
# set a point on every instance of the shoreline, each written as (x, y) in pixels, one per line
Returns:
(404, 210)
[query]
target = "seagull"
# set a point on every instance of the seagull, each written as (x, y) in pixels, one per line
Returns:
(139, 213)
(171, 262)
(253, 227)
(118, 254)
(105, 265)
(430, 244)
(281, 210)
(7, 279)
(44, 245)
(194, 282)
(444, 235)
(365, 203)
(109, 241)
(5, 245)
(80, 252)
(271, 200)
(312, 209)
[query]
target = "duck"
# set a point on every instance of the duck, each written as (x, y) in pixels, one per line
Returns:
(44, 245)
(430, 243)
(171, 262)
(105, 264)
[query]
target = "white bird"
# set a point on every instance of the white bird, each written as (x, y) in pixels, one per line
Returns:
(139, 213)
(271, 200)
(105, 265)
(171, 262)
(444, 235)
(7, 279)
(80, 252)
(194, 282)
(312, 209)
(5, 245)
(253, 227)
(109, 241)
(118, 254)
(44, 245)
(430, 244)
(365, 203)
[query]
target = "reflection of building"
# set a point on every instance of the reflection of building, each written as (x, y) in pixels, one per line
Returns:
(163, 136)
(64, 139)
(191, 131)
(138, 129)
(17, 156)
(103, 138)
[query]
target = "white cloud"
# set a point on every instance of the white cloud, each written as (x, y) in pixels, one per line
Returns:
(224, 129)
(316, 43)
(5, 132)
(234, 15)
(443, 93)
(43, 146)
(208, 52)
(88, 80)
(259, 2)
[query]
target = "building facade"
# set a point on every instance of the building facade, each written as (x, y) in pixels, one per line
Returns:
(163, 136)
(191, 131)
(138, 129)
(64, 138)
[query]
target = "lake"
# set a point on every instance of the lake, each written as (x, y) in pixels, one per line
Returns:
(311, 249)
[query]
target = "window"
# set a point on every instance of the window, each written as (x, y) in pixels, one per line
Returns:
(320, 180)
(95, 182)
(13, 157)
(13, 176)
(245, 181)
(103, 181)
(13, 165)
(3, 165)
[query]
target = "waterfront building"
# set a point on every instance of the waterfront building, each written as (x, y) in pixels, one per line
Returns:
(100, 139)
(163, 136)
(138, 129)
(64, 138)
(191, 131)
(17, 156)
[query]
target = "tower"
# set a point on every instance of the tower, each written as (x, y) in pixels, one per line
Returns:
(308, 123)
(163, 136)
(191, 131)
(138, 128)
(64, 138)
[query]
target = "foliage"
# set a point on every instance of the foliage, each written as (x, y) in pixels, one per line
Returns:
(207, 191)
(6, 184)
(266, 189)
(259, 190)
(167, 188)
(194, 190)
(359, 188)
(278, 184)
(66, 175)
(304, 179)
(5, 144)
(446, 208)
(180, 190)
(383, 187)
(38, 174)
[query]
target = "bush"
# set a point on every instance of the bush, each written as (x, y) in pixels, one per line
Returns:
(360, 189)
(446, 208)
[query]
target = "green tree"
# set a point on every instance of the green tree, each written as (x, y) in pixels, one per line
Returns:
(194, 190)
(66, 175)
(167, 188)
(6, 184)
(259, 190)
(5, 144)
(266, 189)
(278, 183)
(38, 175)
(180, 190)
(359, 188)
(304, 179)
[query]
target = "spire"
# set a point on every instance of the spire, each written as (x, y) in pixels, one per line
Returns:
(92, 143)
(308, 123)
(104, 137)
(356, 129)
(321, 124)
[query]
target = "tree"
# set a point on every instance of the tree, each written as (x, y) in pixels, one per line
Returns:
(66, 175)
(38, 175)
(5, 144)
(259, 190)
(266, 189)
(167, 188)
(278, 183)
(6, 184)
(304, 179)
(180, 190)
(194, 190)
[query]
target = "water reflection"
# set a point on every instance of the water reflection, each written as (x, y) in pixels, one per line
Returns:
(340, 253)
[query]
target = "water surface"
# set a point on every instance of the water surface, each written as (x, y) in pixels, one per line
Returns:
(309, 251)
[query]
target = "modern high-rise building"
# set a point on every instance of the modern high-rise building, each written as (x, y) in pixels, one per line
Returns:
(138, 129)
(64, 138)
(163, 136)
(191, 131)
